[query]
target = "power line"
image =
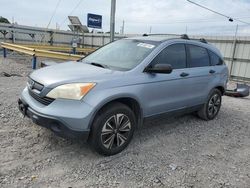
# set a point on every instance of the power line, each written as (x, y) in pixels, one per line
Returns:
(52, 16)
(180, 21)
(209, 9)
(242, 16)
(77, 5)
(229, 18)
(237, 4)
(241, 21)
(54, 12)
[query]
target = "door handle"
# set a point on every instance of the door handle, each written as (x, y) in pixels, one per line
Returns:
(212, 71)
(184, 74)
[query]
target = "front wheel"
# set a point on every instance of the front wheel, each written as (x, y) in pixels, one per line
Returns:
(112, 129)
(212, 106)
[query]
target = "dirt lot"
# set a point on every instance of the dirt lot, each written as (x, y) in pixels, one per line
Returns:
(181, 152)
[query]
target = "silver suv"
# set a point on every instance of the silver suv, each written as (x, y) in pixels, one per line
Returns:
(103, 97)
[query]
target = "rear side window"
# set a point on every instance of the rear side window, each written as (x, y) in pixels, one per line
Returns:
(215, 59)
(198, 56)
(175, 55)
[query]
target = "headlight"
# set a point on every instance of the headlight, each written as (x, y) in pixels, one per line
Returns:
(71, 91)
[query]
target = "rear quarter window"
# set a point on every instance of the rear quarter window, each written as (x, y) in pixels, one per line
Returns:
(198, 56)
(215, 59)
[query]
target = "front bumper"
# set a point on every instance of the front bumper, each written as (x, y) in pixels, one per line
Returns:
(51, 123)
(66, 118)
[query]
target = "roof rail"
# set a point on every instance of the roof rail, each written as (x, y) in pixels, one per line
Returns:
(185, 36)
(159, 34)
(203, 40)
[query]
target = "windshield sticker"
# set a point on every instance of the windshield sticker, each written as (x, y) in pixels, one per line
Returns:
(145, 45)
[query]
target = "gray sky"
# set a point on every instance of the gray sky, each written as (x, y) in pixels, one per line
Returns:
(164, 16)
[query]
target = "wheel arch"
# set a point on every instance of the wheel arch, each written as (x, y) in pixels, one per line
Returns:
(221, 89)
(129, 101)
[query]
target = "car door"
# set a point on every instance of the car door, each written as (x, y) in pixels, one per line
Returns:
(200, 74)
(166, 92)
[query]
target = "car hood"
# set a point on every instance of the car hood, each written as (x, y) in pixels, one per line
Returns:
(72, 72)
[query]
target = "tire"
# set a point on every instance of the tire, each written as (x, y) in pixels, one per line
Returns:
(112, 129)
(212, 106)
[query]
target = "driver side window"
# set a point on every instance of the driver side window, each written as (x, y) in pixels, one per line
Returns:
(175, 55)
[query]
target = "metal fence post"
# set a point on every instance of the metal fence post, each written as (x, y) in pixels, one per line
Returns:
(34, 62)
(51, 35)
(4, 52)
(234, 49)
(74, 46)
(92, 40)
(83, 40)
(74, 50)
(13, 37)
(103, 39)
(233, 56)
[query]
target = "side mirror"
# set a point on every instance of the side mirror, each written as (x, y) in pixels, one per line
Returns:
(159, 68)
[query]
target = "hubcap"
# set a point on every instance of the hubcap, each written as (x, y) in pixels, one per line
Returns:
(115, 131)
(214, 105)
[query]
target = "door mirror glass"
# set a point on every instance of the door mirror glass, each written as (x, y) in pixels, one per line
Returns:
(159, 68)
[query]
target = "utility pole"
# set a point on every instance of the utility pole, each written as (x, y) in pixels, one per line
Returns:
(234, 50)
(112, 20)
(123, 25)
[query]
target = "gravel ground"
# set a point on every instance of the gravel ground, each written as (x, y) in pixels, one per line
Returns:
(180, 152)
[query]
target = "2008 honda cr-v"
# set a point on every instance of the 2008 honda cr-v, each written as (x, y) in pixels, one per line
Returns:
(106, 95)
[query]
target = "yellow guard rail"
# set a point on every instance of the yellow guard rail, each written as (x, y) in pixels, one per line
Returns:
(38, 53)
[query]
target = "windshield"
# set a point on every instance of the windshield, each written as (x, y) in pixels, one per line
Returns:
(122, 54)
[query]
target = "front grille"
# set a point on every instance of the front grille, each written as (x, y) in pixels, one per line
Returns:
(44, 100)
(34, 85)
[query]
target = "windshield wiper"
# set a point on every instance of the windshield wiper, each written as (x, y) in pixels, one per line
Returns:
(99, 65)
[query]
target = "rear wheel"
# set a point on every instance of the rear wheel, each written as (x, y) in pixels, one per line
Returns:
(112, 129)
(212, 107)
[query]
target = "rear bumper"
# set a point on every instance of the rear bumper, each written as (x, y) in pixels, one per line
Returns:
(52, 123)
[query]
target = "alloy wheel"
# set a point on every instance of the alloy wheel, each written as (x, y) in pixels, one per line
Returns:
(115, 131)
(214, 105)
